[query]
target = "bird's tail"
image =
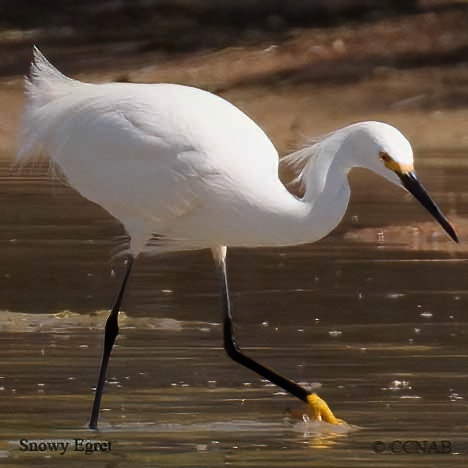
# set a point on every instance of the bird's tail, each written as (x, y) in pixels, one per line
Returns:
(44, 86)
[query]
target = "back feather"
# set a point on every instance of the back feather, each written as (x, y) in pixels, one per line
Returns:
(291, 169)
(43, 85)
(294, 166)
(43, 78)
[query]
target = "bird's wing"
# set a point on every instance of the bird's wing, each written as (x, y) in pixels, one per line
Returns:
(140, 172)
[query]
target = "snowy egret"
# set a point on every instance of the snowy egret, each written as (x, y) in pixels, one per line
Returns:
(190, 167)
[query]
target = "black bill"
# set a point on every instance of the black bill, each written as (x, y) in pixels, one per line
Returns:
(411, 183)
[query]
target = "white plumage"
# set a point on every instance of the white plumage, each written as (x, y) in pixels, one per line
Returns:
(190, 167)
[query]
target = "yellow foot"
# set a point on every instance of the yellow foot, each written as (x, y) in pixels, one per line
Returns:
(318, 410)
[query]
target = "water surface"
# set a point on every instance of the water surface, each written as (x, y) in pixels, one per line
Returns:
(373, 317)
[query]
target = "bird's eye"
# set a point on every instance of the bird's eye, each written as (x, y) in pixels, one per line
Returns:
(385, 157)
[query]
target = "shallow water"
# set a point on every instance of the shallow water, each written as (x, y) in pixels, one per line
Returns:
(373, 317)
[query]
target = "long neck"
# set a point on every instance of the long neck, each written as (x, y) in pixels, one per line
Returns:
(324, 169)
(328, 208)
(285, 220)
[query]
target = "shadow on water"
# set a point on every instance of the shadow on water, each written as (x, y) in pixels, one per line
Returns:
(373, 316)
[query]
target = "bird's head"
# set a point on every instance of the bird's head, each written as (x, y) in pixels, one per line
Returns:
(383, 149)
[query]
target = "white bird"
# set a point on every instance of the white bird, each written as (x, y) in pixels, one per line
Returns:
(191, 168)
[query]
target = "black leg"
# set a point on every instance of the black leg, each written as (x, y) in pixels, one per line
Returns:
(110, 334)
(318, 410)
(232, 348)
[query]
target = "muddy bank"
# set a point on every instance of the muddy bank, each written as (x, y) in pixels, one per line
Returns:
(408, 70)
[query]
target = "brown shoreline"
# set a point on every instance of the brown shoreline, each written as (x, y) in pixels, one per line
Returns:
(410, 71)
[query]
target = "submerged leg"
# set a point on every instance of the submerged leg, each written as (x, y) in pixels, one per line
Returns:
(318, 409)
(110, 334)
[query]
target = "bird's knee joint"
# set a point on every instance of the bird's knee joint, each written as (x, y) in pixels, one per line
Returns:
(233, 351)
(111, 331)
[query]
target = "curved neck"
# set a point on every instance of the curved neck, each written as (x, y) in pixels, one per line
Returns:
(285, 220)
(323, 174)
(327, 208)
